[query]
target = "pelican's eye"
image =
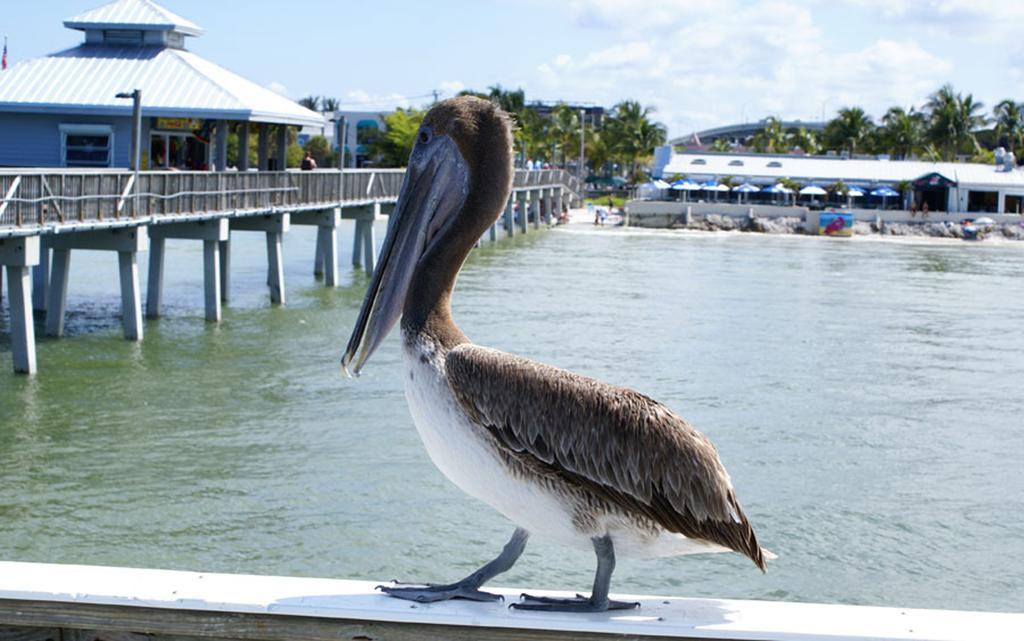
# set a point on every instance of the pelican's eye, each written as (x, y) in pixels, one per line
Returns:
(424, 136)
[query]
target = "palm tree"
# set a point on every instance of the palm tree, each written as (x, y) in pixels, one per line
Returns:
(721, 144)
(953, 118)
(311, 102)
(632, 134)
(565, 130)
(806, 140)
(771, 138)
(849, 129)
(902, 131)
(329, 104)
(1009, 118)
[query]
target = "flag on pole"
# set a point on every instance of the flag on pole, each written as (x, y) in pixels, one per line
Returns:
(3, 62)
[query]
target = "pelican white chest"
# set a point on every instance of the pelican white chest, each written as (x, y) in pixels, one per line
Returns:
(458, 448)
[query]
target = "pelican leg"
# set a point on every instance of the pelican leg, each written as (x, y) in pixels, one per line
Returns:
(469, 587)
(598, 601)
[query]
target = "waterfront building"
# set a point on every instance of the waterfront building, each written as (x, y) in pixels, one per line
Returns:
(62, 110)
(943, 186)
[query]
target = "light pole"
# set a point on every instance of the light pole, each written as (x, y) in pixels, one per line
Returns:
(583, 129)
(136, 98)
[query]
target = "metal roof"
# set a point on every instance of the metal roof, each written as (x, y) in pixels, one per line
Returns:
(142, 15)
(762, 168)
(174, 83)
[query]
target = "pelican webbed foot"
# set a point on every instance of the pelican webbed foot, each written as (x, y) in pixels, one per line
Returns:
(469, 587)
(578, 604)
(431, 593)
(598, 600)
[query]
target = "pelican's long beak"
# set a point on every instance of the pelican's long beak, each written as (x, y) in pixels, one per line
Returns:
(433, 192)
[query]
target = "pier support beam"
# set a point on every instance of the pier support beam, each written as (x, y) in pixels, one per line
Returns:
(220, 146)
(510, 216)
(225, 268)
(213, 233)
(559, 195)
(127, 242)
(17, 256)
(364, 242)
(243, 146)
(325, 262)
(263, 147)
(536, 201)
(41, 277)
(282, 148)
(275, 226)
(524, 211)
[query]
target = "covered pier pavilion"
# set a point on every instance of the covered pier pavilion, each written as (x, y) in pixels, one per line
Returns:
(62, 110)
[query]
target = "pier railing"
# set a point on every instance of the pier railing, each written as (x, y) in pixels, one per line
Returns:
(42, 198)
(40, 602)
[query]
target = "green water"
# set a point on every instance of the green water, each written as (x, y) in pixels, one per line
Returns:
(867, 398)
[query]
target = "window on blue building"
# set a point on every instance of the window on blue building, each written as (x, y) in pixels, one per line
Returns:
(87, 145)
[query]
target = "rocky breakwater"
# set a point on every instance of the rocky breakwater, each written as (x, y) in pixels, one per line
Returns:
(796, 225)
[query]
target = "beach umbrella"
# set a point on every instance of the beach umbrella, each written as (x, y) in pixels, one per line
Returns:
(685, 186)
(773, 189)
(661, 184)
(852, 192)
(885, 192)
(713, 186)
(745, 188)
(812, 191)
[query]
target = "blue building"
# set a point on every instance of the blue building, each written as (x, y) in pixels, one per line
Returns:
(62, 110)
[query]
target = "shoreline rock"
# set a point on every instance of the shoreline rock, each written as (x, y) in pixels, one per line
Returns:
(795, 225)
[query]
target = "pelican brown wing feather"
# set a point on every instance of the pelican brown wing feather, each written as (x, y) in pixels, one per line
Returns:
(616, 443)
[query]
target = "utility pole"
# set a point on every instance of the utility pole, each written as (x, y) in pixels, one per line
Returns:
(136, 152)
(435, 92)
(583, 129)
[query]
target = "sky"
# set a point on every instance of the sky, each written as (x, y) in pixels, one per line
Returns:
(698, 63)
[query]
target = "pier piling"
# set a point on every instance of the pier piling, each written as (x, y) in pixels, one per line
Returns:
(127, 242)
(275, 226)
(17, 256)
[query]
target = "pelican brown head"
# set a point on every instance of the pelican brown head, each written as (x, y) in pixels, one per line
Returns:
(457, 182)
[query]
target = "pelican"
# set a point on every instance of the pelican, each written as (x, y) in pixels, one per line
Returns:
(572, 459)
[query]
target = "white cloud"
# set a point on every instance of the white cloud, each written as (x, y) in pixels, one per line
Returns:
(452, 87)
(362, 100)
(710, 63)
(278, 88)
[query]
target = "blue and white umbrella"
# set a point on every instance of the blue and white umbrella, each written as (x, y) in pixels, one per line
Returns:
(746, 188)
(885, 192)
(853, 192)
(812, 190)
(685, 185)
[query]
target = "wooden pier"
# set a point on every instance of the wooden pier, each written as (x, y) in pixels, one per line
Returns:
(46, 214)
(42, 602)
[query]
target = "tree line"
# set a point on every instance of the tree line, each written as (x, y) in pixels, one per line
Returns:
(620, 146)
(948, 126)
